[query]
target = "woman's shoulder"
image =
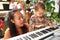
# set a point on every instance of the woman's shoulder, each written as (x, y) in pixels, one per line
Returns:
(7, 30)
(7, 34)
(26, 24)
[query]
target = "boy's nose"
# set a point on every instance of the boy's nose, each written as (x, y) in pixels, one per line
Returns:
(22, 19)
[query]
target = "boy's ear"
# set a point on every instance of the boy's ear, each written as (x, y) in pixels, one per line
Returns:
(12, 21)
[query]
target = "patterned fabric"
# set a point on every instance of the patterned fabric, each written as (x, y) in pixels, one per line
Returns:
(34, 20)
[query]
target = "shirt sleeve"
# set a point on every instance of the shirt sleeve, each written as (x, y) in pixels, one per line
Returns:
(32, 23)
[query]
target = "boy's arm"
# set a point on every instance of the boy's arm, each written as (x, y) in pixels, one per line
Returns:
(50, 23)
(31, 22)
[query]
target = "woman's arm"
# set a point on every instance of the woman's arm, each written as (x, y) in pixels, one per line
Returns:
(7, 34)
(32, 23)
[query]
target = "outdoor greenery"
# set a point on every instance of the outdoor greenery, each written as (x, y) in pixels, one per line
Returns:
(50, 7)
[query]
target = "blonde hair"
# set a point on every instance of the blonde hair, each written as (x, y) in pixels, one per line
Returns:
(39, 5)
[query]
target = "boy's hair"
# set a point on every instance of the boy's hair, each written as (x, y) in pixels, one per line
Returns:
(39, 5)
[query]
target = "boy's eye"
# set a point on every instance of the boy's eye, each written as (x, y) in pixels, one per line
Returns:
(19, 18)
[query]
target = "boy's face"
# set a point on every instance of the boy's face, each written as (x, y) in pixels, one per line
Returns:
(40, 12)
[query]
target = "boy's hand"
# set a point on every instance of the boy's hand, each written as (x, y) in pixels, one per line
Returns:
(39, 26)
(52, 26)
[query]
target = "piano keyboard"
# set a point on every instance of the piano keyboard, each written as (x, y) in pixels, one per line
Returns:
(35, 35)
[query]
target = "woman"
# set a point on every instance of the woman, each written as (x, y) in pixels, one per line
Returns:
(16, 25)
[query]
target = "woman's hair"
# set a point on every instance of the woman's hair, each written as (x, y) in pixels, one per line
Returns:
(39, 5)
(11, 25)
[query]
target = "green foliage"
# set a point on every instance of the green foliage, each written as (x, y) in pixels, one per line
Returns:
(55, 17)
(0, 32)
(49, 6)
(6, 25)
(25, 5)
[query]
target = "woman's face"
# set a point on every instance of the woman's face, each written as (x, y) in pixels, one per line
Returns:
(39, 12)
(18, 19)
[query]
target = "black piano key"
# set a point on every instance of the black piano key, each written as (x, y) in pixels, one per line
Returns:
(33, 35)
(49, 30)
(44, 31)
(39, 33)
(57, 28)
(19, 39)
(27, 38)
(54, 28)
